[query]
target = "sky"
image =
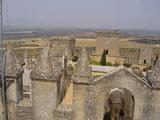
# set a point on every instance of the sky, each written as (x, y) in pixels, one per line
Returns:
(122, 14)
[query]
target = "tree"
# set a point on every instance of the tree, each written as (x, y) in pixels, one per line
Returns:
(103, 59)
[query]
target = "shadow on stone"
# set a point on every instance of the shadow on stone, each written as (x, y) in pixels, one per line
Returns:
(107, 116)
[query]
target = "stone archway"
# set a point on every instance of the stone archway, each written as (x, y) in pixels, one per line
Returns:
(129, 105)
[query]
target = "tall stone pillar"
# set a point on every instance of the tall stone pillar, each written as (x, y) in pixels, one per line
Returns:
(14, 81)
(81, 81)
(44, 87)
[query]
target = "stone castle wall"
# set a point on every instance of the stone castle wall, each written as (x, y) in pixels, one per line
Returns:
(89, 95)
(64, 113)
(156, 51)
(144, 56)
(79, 101)
(24, 113)
(130, 55)
(153, 109)
(44, 99)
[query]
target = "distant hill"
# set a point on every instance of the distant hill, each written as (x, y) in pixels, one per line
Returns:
(141, 33)
(23, 32)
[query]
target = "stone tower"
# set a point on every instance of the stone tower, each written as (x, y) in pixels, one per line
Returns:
(81, 80)
(44, 87)
(14, 80)
(108, 41)
(145, 56)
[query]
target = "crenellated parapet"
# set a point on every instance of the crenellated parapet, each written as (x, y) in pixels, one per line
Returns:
(114, 33)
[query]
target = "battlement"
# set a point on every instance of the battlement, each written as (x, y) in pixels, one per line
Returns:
(62, 40)
(114, 33)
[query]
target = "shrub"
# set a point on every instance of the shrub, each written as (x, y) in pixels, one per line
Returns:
(94, 62)
(109, 64)
(103, 59)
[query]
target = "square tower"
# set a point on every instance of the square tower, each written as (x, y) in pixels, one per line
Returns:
(108, 41)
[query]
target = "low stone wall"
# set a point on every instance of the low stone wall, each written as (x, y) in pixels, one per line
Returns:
(130, 55)
(24, 113)
(24, 110)
(63, 113)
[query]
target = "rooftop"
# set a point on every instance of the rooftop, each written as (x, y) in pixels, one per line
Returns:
(105, 69)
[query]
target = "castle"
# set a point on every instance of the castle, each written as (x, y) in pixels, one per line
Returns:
(62, 91)
(125, 51)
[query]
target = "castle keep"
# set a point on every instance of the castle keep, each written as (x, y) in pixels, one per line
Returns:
(108, 41)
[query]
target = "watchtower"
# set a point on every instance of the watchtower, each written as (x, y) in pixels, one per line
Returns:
(108, 41)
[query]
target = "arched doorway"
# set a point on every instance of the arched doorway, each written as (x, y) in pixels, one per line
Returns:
(129, 104)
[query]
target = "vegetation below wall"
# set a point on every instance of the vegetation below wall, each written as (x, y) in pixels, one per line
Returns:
(94, 62)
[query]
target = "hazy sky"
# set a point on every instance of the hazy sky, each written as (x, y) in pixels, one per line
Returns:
(140, 14)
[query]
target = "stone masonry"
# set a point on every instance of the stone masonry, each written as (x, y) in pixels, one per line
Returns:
(89, 102)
